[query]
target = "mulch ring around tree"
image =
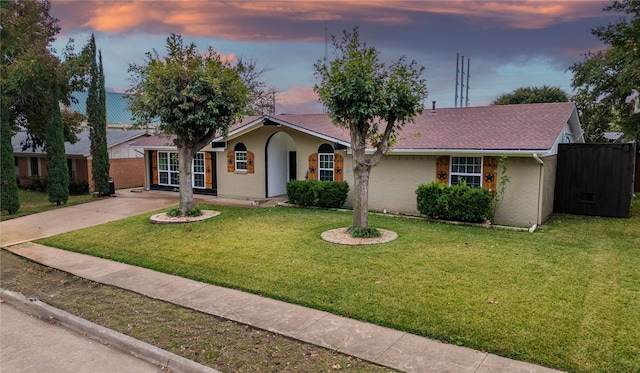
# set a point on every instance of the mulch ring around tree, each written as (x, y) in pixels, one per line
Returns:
(340, 236)
(163, 218)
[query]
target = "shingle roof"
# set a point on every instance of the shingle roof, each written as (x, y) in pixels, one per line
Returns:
(80, 148)
(530, 127)
(500, 127)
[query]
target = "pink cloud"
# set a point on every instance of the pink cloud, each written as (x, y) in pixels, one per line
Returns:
(244, 20)
(298, 100)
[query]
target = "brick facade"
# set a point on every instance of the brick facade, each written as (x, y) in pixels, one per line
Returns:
(127, 172)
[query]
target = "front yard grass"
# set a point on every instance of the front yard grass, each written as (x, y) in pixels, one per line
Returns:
(566, 297)
(32, 202)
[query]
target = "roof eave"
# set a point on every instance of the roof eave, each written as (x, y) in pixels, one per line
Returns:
(444, 151)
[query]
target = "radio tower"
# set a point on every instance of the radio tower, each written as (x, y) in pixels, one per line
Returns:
(464, 96)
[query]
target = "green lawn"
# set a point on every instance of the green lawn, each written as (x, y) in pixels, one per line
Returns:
(32, 202)
(567, 297)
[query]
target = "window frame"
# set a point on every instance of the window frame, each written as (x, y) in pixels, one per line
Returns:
(34, 161)
(329, 159)
(198, 164)
(466, 174)
(240, 158)
(169, 167)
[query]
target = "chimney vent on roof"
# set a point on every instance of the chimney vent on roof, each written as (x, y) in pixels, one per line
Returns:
(433, 107)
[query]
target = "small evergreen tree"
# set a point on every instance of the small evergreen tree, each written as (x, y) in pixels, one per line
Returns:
(9, 186)
(97, 120)
(57, 170)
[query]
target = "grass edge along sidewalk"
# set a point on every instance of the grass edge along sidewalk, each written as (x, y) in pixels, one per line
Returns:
(565, 297)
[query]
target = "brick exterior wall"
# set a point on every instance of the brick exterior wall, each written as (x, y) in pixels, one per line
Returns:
(127, 172)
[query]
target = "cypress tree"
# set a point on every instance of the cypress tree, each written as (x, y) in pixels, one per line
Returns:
(97, 120)
(57, 170)
(9, 186)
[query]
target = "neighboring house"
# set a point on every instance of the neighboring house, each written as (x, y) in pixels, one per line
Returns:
(261, 154)
(126, 164)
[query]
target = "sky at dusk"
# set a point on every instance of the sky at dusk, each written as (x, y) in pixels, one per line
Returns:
(510, 44)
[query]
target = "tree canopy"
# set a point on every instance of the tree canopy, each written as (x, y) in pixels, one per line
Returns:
(532, 95)
(196, 97)
(370, 99)
(29, 69)
(606, 79)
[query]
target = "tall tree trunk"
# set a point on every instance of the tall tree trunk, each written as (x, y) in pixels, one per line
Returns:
(185, 159)
(361, 171)
(361, 189)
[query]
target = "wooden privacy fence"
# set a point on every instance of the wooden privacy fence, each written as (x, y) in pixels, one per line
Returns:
(595, 179)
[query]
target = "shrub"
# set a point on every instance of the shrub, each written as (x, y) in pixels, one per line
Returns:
(367, 232)
(175, 212)
(77, 188)
(34, 183)
(456, 202)
(326, 194)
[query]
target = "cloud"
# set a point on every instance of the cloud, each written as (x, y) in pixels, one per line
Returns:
(274, 20)
(298, 100)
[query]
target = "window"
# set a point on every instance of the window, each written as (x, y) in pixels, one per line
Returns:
(168, 169)
(240, 152)
(468, 169)
(34, 163)
(325, 163)
(198, 171)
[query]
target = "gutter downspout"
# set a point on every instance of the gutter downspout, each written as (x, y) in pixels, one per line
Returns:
(540, 186)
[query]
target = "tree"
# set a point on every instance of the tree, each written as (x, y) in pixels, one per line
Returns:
(595, 119)
(57, 170)
(196, 96)
(8, 183)
(605, 79)
(373, 101)
(532, 95)
(34, 82)
(29, 68)
(97, 120)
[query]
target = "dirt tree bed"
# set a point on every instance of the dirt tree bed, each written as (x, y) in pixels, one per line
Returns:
(208, 340)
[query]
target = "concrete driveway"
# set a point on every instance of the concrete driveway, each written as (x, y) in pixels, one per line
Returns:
(125, 203)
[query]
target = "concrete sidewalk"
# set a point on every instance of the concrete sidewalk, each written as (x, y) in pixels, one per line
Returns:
(384, 346)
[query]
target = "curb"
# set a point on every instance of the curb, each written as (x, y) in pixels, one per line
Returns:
(139, 349)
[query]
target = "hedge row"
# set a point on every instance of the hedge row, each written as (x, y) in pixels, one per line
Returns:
(327, 194)
(455, 202)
